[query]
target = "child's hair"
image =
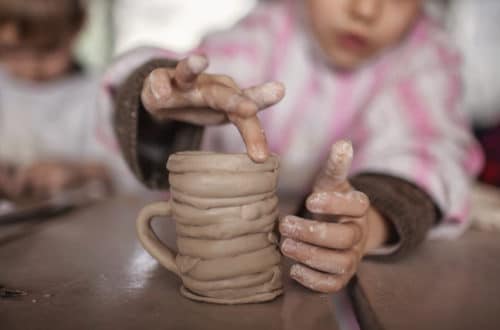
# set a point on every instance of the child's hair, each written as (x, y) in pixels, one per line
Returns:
(43, 24)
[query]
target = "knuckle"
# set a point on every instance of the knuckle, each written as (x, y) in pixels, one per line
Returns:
(320, 232)
(344, 241)
(350, 236)
(349, 262)
(348, 265)
(349, 239)
(362, 200)
(226, 80)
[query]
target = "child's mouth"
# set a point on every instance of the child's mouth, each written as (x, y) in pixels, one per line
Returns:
(352, 42)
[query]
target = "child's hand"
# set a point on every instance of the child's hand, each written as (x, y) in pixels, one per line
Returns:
(187, 94)
(46, 179)
(329, 251)
(6, 172)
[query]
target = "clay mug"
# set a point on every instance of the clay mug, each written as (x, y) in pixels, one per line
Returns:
(225, 208)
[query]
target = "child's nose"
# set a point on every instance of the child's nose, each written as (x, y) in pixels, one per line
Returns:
(366, 10)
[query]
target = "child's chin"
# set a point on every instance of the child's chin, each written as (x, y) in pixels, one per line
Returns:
(347, 63)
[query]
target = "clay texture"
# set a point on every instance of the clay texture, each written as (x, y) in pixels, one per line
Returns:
(225, 208)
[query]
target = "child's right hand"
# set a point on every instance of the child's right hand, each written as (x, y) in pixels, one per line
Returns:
(187, 94)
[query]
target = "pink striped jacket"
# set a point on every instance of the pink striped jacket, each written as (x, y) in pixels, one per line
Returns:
(402, 110)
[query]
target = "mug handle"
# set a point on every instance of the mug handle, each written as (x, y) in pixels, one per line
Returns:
(148, 238)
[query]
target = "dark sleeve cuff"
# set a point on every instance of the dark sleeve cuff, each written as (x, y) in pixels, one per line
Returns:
(410, 210)
(145, 143)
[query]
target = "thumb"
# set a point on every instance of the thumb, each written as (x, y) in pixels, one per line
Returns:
(334, 175)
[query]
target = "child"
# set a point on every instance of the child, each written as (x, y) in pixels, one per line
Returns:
(377, 72)
(48, 118)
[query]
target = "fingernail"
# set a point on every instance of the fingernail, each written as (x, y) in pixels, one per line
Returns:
(343, 148)
(296, 271)
(259, 155)
(275, 91)
(289, 246)
(360, 197)
(285, 226)
(197, 63)
(317, 201)
(158, 89)
(288, 226)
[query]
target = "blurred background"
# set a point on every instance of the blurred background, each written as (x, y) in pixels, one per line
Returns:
(115, 26)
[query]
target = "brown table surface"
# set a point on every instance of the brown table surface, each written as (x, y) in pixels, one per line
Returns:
(445, 285)
(87, 270)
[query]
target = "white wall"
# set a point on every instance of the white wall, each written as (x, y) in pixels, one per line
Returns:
(175, 24)
(475, 25)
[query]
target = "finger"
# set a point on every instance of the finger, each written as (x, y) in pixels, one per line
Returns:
(335, 173)
(223, 79)
(157, 90)
(317, 281)
(198, 116)
(325, 260)
(38, 187)
(188, 69)
(225, 99)
(253, 136)
(326, 234)
(22, 183)
(266, 95)
(353, 203)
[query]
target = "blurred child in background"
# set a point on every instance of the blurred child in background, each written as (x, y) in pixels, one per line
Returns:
(380, 73)
(51, 135)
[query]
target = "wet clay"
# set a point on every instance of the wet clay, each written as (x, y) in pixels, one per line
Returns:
(225, 208)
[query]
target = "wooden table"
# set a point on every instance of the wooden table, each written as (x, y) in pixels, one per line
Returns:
(87, 270)
(445, 285)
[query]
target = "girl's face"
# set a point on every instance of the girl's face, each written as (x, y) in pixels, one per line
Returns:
(353, 31)
(30, 63)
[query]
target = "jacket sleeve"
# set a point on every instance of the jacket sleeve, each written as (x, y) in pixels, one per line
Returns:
(409, 210)
(145, 143)
(242, 53)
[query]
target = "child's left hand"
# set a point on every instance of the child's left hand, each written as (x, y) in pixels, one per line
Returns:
(329, 251)
(45, 179)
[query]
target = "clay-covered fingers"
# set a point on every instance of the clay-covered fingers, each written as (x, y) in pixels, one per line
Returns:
(325, 234)
(222, 93)
(334, 175)
(160, 94)
(157, 90)
(266, 95)
(351, 204)
(253, 135)
(188, 70)
(318, 281)
(325, 260)
(224, 98)
(33, 182)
